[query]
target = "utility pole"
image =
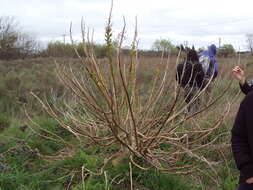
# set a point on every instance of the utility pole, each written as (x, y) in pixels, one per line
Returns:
(219, 42)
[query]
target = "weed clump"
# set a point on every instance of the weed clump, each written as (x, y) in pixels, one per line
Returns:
(4, 121)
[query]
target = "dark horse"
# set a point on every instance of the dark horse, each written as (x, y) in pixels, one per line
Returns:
(190, 75)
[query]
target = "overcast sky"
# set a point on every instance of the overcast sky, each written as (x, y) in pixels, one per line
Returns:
(196, 21)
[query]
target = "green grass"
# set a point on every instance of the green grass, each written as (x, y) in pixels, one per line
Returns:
(21, 169)
(4, 121)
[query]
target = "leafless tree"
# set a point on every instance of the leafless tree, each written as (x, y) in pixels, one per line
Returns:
(249, 41)
(13, 42)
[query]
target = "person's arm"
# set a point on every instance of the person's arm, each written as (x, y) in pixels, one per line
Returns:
(245, 87)
(242, 142)
(240, 76)
(249, 180)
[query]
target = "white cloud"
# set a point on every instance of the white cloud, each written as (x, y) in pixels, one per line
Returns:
(199, 22)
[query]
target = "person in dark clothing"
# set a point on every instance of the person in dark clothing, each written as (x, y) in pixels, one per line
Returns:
(242, 133)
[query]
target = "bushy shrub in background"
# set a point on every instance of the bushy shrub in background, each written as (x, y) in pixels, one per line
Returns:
(226, 50)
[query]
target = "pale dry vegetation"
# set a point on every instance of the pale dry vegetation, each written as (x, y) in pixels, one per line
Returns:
(125, 110)
(134, 104)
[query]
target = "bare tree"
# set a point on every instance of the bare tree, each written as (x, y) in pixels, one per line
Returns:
(26, 45)
(8, 36)
(249, 41)
(13, 42)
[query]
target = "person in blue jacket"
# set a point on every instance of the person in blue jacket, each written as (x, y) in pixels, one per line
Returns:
(211, 65)
(242, 133)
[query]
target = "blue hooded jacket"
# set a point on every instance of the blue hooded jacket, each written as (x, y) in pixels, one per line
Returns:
(211, 53)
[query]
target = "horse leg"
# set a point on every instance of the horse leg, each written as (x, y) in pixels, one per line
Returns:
(192, 105)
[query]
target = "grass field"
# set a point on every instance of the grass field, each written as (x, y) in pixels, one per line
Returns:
(30, 161)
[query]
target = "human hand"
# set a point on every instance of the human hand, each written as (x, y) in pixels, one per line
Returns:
(250, 180)
(239, 74)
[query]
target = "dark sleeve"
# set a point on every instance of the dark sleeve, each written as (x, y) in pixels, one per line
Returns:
(246, 88)
(242, 137)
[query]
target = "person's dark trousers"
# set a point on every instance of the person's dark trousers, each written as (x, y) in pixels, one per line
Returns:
(245, 186)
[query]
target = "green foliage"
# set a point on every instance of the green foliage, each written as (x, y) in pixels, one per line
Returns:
(151, 180)
(60, 49)
(22, 169)
(229, 176)
(229, 184)
(17, 79)
(81, 159)
(163, 45)
(47, 146)
(226, 50)
(4, 121)
(51, 125)
(162, 181)
(27, 172)
(93, 183)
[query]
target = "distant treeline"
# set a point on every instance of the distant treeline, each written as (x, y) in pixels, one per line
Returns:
(60, 49)
(16, 44)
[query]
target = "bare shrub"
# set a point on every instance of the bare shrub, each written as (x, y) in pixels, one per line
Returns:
(113, 106)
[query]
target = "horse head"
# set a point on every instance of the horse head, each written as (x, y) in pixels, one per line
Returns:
(192, 55)
(190, 71)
